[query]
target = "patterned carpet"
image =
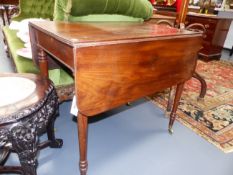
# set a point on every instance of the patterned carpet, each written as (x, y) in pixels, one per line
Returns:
(213, 117)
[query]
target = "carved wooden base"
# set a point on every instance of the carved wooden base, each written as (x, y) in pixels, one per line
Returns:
(22, 134)
(65, 92)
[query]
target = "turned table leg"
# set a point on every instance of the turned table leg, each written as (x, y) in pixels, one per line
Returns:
(82, 125)
(43, 63)
(179, 90)
(170, 99)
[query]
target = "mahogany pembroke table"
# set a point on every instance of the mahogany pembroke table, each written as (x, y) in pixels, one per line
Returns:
(115, 63)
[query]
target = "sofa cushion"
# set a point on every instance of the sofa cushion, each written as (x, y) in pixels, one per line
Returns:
(104, 18)
(25, 65)
(63, 9)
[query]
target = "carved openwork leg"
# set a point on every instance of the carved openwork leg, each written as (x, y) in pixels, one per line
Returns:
(24, 142)
(43, 63)
(203, 85)
(54, 143)
(179, 90)
(4, 153)
(82, 125)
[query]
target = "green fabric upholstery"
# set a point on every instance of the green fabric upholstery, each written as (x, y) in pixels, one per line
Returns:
(60, 77)
(72, 10)
(24, 65)
(35, 9)
(104, 18)
(66, 9)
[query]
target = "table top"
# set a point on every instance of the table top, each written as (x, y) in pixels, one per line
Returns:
(10, 95)
(105, 57)
(85, 34)
(20, 91)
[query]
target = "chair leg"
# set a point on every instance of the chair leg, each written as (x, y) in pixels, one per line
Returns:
(231, 52)
(3, 17)
(203, 85)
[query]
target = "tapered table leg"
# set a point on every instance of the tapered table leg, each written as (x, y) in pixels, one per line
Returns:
(82, 125)
(203, 85)
(170, 99)
(179, 90)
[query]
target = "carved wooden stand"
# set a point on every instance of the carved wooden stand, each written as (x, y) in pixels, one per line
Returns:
(21, 130)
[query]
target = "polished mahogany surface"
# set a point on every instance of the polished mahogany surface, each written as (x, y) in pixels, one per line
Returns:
(115, 63)
(78, 34)
(11, 2)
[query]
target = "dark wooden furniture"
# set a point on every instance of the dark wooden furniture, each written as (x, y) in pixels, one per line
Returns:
(7, 9)
(231, 52)
(162, 19)
(22, 121)
(216, 32)
(115, 63)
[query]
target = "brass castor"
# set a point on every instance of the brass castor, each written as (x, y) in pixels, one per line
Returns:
(128, 104)
(170, 130)
(200, 99)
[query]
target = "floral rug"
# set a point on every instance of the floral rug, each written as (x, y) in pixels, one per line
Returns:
(213, 117)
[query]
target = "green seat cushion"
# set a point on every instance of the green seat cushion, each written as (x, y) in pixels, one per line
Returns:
(25, 65)
(60, 77)
(63, 9)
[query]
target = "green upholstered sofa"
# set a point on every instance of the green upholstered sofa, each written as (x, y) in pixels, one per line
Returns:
(70, 10)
